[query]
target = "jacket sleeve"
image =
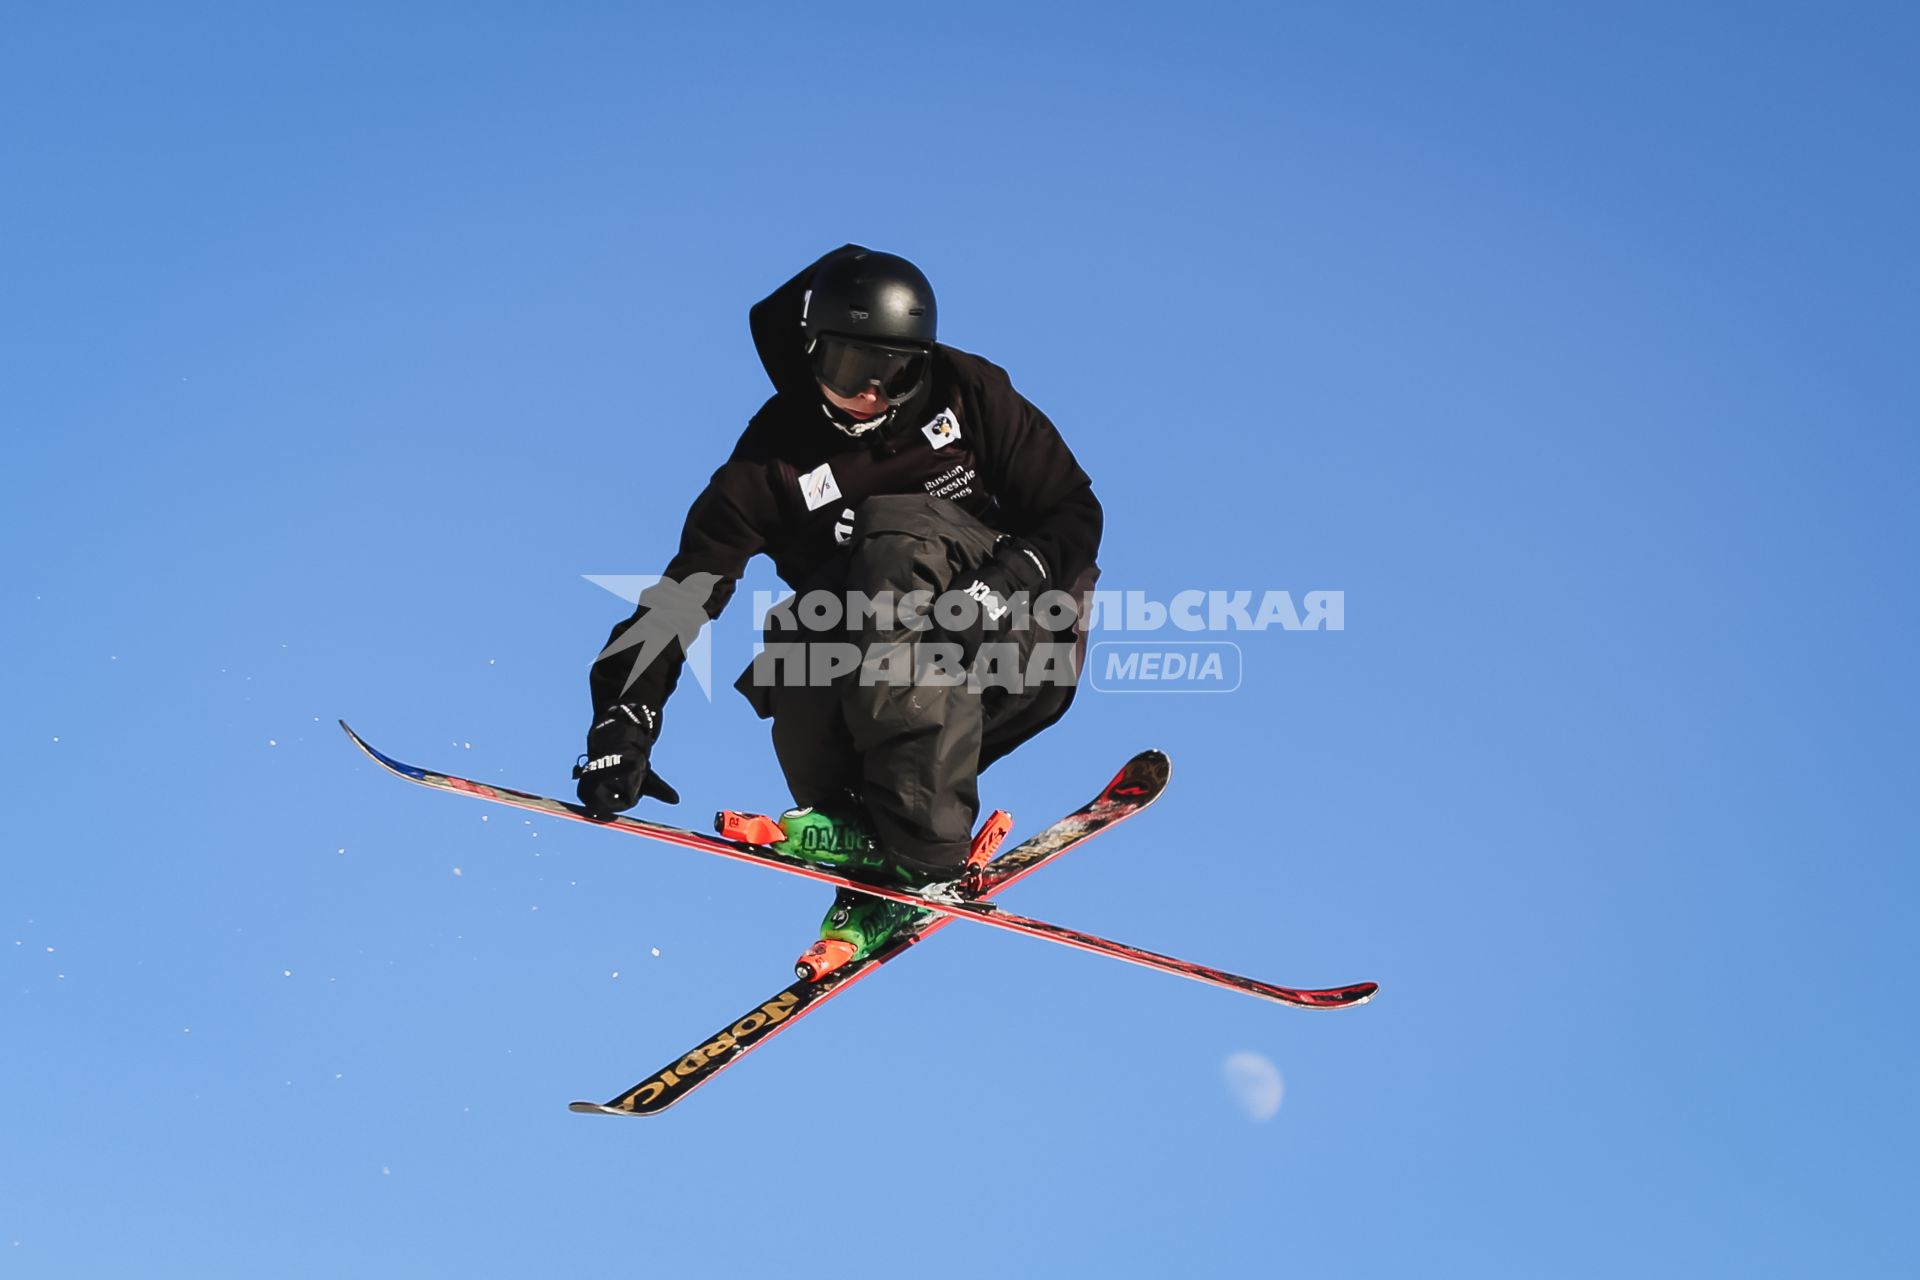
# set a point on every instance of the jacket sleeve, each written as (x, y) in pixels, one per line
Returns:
(1044, 496)
(727, 525)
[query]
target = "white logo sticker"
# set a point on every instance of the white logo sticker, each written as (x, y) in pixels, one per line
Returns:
(943, 430)
(819, 488)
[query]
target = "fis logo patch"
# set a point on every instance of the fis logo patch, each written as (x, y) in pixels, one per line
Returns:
(943, 430)
(818, 487)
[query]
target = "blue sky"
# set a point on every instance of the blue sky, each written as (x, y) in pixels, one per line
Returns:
(1572, 345)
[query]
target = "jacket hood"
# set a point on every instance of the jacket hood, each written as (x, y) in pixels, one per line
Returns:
(775, 321)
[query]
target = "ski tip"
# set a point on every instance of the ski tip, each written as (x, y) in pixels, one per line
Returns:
(1153, 764)
(357, 740)
(1347, 997)
(382, 759)
(596, 1109)
(361, 742)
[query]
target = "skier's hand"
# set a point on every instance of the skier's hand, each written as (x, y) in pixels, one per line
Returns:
(617, 769)
(1013, 568)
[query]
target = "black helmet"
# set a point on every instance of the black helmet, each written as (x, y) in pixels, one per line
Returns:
(872, 298)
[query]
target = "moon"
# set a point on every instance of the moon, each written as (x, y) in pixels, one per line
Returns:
(1255, 1084)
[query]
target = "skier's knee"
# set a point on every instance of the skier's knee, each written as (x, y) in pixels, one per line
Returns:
(913, 515)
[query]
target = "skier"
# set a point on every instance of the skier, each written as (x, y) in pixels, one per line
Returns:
(884, 463)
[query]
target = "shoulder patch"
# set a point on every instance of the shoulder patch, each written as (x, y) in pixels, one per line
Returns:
(943, 430)
(818, 487)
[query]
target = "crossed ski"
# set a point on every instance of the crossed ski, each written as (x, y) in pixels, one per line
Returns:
(948, 901)
(1135, 787)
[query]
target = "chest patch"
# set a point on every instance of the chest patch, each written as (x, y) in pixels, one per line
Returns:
(818, 487)
(943, 430)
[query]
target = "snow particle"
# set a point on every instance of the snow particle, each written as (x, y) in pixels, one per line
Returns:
(456, 871)
(656, 951)
(616, 973)
(385, 1172)
(286, 973)
(56, 738)
(273, 742)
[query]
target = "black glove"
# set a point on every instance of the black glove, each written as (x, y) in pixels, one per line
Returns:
(1014, 567)
(616, 771)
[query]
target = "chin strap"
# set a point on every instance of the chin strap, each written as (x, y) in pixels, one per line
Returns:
(847, 426)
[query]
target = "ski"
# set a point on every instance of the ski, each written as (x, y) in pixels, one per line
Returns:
(944, 899)
(1136, 786)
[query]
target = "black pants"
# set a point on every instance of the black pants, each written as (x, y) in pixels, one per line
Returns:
(912, 751)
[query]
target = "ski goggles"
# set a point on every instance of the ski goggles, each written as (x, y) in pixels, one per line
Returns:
(847, 368)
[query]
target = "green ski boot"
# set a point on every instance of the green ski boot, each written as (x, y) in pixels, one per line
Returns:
(856, 925)
(836, 837)
(840, 837)
(859, 924)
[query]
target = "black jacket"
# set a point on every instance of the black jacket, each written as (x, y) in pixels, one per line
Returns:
(790, 486)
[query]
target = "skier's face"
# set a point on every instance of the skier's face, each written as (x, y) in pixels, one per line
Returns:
(862, 379)
(868, 404)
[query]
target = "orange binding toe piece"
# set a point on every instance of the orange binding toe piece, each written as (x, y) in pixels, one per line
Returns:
(748, 828)
(822, 958)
